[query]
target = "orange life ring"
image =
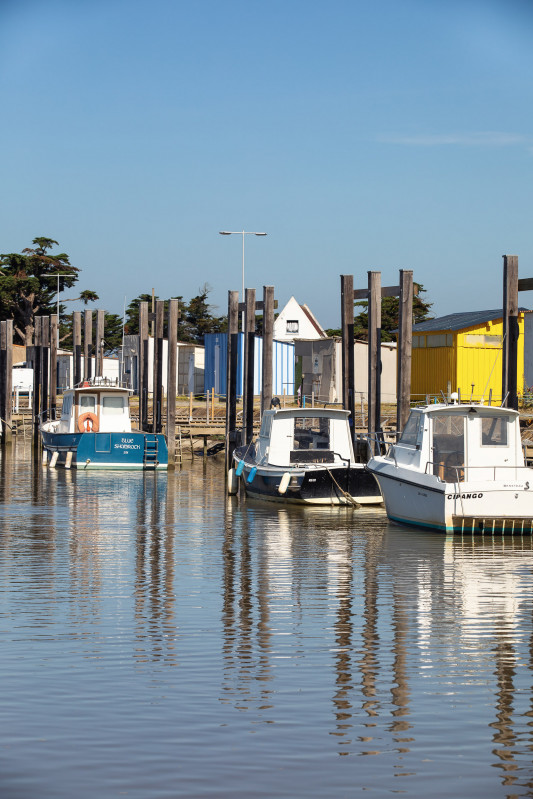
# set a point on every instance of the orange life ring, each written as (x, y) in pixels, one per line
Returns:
(88, 423)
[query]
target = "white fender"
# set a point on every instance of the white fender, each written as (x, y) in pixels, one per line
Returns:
(233, 482)
(284, 482)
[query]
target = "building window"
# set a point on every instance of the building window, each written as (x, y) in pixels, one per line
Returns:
(292, 325)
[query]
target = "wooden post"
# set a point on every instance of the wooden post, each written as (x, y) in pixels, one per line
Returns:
(374, 357)
(268, 343)
(87, 345)
(45, 363)
(510, 331)
(157, 393)
(6, 383)
(405, 343)
(4, 399)
(142, 369)
(99, 365)
(231, 376)
(173, 309)
(76, 347)
(348, 344)
(37, 352)
(54, 322)
(8, 360)
(249, 353)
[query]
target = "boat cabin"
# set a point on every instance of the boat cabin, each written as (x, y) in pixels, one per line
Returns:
(97, 406)
(460, 442)
(289, 437)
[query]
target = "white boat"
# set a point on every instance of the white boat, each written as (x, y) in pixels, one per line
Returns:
(304, 455)
(458, 468)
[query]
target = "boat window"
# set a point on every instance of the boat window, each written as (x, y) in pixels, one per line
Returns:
(494, 431)
(87, 403)
(448, 446)
(409, 436)
(112, 405)
(311, 432)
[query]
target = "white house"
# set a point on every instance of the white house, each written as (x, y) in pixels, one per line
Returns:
(296, 321)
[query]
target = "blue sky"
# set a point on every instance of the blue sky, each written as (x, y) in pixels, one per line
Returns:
(385, 135)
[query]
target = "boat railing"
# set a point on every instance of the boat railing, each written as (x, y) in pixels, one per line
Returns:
(472, 474)
(102, 382)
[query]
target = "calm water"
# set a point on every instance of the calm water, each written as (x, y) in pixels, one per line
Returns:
(161, 640)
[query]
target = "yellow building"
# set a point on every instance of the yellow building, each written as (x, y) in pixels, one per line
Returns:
(463, 352)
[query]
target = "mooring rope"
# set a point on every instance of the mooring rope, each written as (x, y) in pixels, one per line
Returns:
(350, 499)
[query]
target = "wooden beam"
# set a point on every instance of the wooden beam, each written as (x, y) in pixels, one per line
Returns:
(54, 322)
(76, 347)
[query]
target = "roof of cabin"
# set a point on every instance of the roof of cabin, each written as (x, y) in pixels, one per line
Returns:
(459, 321)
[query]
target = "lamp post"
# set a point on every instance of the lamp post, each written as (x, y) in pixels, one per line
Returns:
(242, 233)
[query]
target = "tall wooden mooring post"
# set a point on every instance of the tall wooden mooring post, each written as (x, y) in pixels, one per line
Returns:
(267, 305)
(373, 294)
(511, 286)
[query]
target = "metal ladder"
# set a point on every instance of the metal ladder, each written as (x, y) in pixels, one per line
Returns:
(150, 460)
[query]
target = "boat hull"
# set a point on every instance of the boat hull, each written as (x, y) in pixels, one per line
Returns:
(481, 507)
(332, 485)
(128, 451)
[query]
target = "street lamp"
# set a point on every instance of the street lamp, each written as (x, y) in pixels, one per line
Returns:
(242, 233)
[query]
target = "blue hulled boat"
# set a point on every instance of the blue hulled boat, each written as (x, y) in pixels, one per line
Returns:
(94, 431)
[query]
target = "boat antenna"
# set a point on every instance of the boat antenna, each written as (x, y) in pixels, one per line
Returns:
(482, 400)
(504, 400)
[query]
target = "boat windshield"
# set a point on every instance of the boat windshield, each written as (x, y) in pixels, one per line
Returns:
(409, 435)
(311, 432)
(448, 446)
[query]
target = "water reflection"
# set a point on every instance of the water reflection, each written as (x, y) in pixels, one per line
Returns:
(406, 656)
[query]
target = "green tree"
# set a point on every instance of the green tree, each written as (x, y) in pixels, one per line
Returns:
(28, 285)
(390, 308)
(195, 317)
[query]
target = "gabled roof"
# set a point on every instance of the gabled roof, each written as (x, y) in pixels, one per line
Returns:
(318, 327)
(458, 321)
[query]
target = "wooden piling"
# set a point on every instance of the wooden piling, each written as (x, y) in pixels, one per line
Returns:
(76, 347)
(348, 345)
(45, 365)
(173, 310)
(249, 355)
(36, 365)
(143, 372)
(231, 376)
(157, 393)
(268, 343)
(6, 380)
(510, 331)
(87, 345)
(54, 327)
(99, 344)
(405, 343)
(374, 358)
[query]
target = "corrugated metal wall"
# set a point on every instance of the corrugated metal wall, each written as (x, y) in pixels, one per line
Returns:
(465, 363)
(216, 368)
